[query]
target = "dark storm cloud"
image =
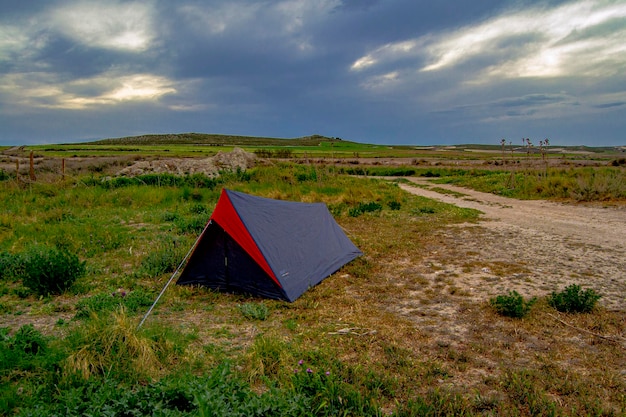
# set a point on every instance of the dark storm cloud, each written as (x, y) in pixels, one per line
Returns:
(398, 71)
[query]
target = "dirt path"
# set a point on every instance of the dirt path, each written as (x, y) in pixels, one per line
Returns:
(533, 247)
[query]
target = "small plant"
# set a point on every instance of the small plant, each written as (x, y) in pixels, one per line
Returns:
(254, 311)
(50, 271)
(394, 205)
(512, 304)
(364, 208)
(574, 300)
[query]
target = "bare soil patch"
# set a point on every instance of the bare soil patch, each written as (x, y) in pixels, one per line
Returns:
(236, 159)
(533, 247)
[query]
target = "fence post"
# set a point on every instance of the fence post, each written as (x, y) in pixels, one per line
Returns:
(32, 167)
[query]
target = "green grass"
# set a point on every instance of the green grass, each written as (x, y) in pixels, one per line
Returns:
(202, 352)
(579, 184)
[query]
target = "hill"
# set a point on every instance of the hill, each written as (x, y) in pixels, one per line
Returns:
(215, 140)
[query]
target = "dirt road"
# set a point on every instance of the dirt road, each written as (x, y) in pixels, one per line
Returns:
(533, 247)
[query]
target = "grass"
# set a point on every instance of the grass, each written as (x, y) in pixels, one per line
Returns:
(202, 351)
(578, 184)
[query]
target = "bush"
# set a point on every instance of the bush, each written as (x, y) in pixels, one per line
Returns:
(50, 271)
(512, 305)
(574, 300)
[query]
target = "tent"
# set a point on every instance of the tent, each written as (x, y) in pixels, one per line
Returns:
(265, 247)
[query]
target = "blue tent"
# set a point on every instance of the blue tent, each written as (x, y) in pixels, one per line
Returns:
(270, 248)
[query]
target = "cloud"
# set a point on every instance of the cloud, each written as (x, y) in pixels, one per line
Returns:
(581, 38)
(40, 90)
(264, 19)
(111, 25)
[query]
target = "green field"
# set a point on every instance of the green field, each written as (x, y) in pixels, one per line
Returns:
(77, 350)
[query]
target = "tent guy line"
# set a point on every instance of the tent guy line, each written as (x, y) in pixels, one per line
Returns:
(167, 284)
(265, 247)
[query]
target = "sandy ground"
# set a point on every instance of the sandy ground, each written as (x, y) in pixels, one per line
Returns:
(533, 247)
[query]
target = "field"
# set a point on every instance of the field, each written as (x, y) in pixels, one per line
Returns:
(414, 327)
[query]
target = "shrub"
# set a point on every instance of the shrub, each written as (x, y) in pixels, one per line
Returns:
(50, 271)
(574, 300)
(512, 304)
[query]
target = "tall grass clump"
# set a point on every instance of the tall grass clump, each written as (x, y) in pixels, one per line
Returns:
(163, 258)
(50, 271)
(111, 346)
(574, 300)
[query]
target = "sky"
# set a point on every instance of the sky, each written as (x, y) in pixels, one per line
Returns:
(404, 72)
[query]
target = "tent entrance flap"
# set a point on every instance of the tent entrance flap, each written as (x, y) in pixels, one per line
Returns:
(228, 268)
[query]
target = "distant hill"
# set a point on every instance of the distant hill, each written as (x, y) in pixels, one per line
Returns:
(215, 140)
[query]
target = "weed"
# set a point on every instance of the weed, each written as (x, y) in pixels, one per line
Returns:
(512, 304)
(574, 300)
(50, 271)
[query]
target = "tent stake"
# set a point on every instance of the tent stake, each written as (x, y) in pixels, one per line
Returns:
(171, 278)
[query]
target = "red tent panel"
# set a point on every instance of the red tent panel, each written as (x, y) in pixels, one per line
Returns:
(227, 217)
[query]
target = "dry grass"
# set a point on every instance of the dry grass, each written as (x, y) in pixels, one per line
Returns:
(401, 319)
(397, 315)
